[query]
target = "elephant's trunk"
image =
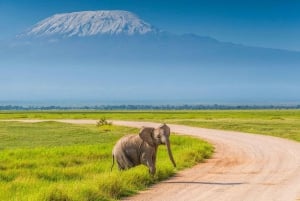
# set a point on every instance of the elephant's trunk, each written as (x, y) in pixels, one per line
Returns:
(170, 152)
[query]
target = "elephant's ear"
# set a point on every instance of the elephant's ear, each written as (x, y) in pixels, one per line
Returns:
(165, 129)
(146, 133)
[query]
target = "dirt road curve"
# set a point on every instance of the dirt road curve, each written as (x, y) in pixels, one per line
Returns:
(245, 167)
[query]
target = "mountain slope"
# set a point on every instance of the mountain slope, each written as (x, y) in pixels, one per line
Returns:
(90, 23)
(85, 55)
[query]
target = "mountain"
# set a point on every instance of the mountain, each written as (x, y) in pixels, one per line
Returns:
(116, 56)
(91, 23)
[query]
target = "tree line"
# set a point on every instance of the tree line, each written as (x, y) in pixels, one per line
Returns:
(150, 107)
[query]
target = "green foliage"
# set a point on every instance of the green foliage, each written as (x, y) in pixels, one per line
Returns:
(66, 162)
(104, 125)
(103, 122)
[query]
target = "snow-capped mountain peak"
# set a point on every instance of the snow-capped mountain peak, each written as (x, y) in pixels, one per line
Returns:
(90, 23)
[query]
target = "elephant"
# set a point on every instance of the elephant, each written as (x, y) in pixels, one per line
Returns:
(133, 150)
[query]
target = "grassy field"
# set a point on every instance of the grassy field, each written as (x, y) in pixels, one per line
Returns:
(281, 123)
(57, 161)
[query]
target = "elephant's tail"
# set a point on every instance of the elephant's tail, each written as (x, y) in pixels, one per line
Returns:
(113, 162)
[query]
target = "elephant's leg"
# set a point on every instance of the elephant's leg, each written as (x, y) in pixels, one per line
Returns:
(124, 162)
(151, 165)
(120, 166)
(152, 170)
(148, 159)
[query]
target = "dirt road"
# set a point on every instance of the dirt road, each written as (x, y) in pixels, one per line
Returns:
(245, 167)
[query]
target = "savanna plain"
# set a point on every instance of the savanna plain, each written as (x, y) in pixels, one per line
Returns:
(58, 161)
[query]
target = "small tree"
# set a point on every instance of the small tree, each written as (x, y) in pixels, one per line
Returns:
(103, 122)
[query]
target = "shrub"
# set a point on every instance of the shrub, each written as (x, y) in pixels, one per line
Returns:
(103, 122)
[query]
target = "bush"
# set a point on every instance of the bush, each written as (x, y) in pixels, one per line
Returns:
(103, 122)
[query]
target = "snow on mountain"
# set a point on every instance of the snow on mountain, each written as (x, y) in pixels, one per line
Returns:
(90, 23)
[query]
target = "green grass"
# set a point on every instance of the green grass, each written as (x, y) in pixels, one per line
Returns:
(26, 135)
(280, 123)
(57, 161)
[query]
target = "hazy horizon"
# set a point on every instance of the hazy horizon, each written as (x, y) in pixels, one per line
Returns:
(81, 103)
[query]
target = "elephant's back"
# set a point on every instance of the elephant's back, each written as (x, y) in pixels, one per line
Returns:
(126, 151)
(126, 141)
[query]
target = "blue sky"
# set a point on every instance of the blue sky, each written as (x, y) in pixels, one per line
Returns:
(264, 23)
(268, 78)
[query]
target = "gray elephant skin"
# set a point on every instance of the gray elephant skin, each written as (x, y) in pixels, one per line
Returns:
(133, 150)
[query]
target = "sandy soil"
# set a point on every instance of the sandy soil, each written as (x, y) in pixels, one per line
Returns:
(245, 167)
